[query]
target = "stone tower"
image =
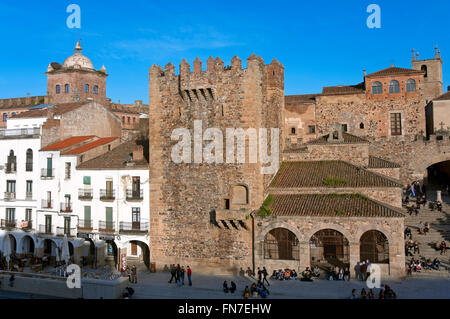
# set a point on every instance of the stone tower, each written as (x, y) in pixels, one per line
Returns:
(76, 80)
(432, 85)
(200, 211)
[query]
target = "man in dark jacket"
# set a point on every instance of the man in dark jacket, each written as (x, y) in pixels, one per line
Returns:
(172, 273)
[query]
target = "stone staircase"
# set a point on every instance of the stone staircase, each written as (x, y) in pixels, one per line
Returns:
(439, 231)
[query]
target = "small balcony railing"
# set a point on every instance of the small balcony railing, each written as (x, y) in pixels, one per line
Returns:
(66, 207)
(26, 224)
(85, 193)
(105, 226)
(47, 173)
(85, 224)
(10, 168)
(47, 203)
(8, 223)
(46, 229)
(107, 194)
(28, 196)
(70, 232)
(133, 227)
(21, 132)
(10, 196)
(135, 195)
(29, 167)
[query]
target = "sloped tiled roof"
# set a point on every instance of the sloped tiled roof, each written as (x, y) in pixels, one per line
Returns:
(328, 174)
(68, 142)
(299, 99)
(347, 139)
(375, 162)
(88, 146)
(393, 71)
(116, 158)
(343, 89)
(330, 205)
(443, 97)
(57, 109)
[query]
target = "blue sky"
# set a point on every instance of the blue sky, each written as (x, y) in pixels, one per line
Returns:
(320, 43)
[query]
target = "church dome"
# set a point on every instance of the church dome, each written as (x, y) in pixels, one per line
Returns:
(78, 60)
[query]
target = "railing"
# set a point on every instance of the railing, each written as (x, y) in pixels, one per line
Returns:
(10, 196)
(135, 195)
(46, 229)
(29, 167)
(10, 168)
(21, 132)
(47, 203)
(66, 207)
(28, 196)
(85, 224)
(26, 224)
(8, 223)
(47, 172)
(105, 226)
(70, 232)
(106, 194)
(85, 193)
(133, 226)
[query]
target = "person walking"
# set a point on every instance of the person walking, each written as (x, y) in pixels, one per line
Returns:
(182, 275)
(259, 274)
(189, 274)
(265, 274)
(134, 275)
(173, 273)
(11, 280)
(178, 275)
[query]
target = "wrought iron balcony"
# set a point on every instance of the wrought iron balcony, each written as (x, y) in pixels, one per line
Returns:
(8, 223)
(106, 226)
(66, 207)
(85, 193)
(135, 195)
(47, 173)
(107, 194)
(21, 132)
(47, 203)
(29, 167)
(70, 232)
(85, 224)
(46, 229)
(28, 196)
(10, 196)
(133, 227)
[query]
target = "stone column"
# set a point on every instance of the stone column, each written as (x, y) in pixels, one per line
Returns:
(439, 196)
(305, 257)
(354, 258)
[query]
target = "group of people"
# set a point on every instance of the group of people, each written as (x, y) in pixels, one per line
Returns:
(256, 290)
(365, 268)
(287, 274)
(412, 247)
(442, 246)
(178, 274)
(417, 265)
(338, 273)
(132, 274)
(385, 293)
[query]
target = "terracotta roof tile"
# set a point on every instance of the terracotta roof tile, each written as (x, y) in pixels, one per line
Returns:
(328, 174)
(343, 89)
(91, 145)
(443, 97)
(57, 109)
(394, 71)
(116, 158)
(68, 142)
(347, 139)
(330, 205)
(375, 162)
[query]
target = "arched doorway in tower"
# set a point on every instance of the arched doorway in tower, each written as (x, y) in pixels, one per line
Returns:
(437, 177)
(27, 244)
(329, 248)
(374, 246)
(281, 244)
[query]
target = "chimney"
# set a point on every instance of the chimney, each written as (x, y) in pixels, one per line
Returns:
(138, 153)
(364, 71)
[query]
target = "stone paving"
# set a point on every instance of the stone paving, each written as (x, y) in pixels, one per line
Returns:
(155, 285)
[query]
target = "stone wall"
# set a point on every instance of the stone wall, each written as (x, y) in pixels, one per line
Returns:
(389, 172)
(184, 196)
(351, 227)
(357, 154)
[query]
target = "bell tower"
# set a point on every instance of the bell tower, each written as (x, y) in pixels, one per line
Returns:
(432, 81)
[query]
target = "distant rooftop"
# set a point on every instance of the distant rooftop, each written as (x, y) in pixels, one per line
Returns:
(68, 142)
(88, 146)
